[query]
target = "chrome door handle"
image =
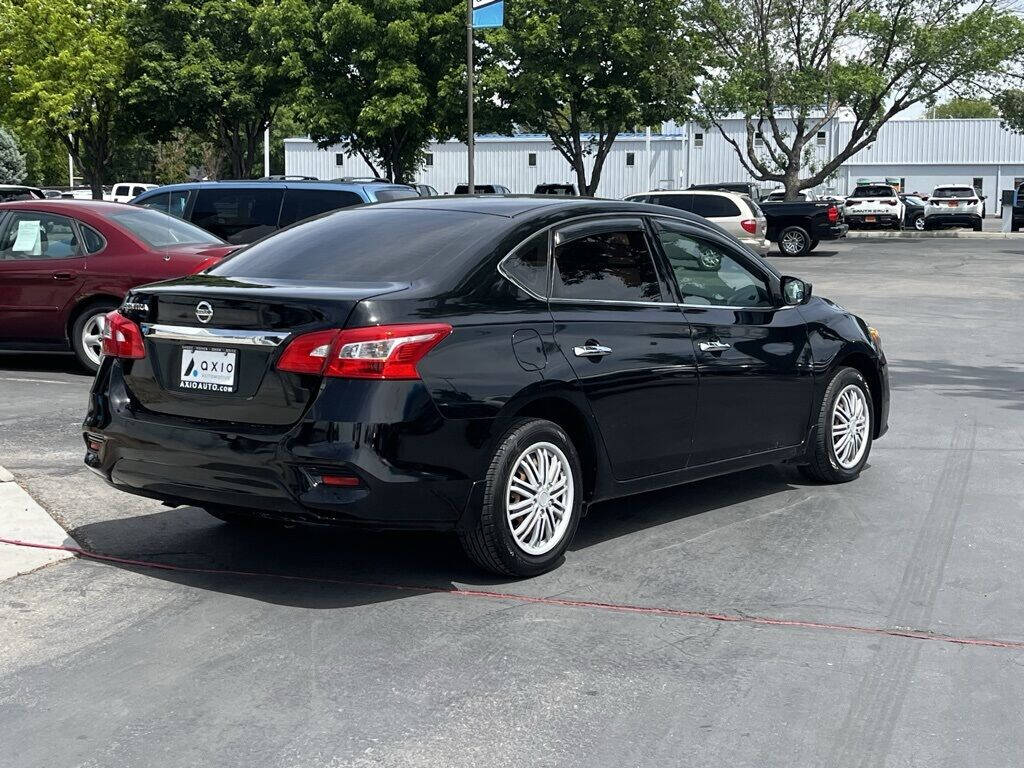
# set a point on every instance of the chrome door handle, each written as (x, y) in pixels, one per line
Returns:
(713, 346)
(591, 350)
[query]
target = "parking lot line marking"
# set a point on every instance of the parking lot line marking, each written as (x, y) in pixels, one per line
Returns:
(646, 610)
(25, 380)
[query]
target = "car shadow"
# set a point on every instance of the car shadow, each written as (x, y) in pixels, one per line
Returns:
(42, 362)
(325, 568)
(1001, 384)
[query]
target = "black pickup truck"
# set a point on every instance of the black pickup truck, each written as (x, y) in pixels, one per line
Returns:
(797, 226)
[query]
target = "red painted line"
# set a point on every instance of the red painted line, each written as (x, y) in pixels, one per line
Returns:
(678, 613)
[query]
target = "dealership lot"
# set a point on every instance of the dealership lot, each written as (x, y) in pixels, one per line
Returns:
(355, 650)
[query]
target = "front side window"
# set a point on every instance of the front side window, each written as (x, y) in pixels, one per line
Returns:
(239, 215)
(30, 235)
(527, 265)
(138, 190)
(120, 191)
(707, 274)
(611, 265)
(159, 230)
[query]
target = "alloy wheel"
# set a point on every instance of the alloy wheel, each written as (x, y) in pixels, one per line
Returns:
(919, 223)
(92, 336)
(850, 426)
(539, 498)
(792, 242)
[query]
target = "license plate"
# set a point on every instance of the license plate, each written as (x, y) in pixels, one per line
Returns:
(951, 205)
(208, 370)
(869, 219)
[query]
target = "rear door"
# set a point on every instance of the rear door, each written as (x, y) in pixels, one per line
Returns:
(42, 267)
(301, 204)
(627, 343)
(753, 355)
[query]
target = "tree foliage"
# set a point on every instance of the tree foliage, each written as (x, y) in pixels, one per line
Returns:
(12, 161)
(1010, 104)
(216, 67)
(791, 66)
(379, 76)
(66, 72)
(584, 72)
(963, 108)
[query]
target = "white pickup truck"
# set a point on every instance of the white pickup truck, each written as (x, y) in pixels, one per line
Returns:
(125, 191)
(875, 205)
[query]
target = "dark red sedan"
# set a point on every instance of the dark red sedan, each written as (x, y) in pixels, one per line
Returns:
(65, 263)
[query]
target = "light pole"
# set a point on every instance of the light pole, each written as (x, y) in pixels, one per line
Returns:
(470, 139)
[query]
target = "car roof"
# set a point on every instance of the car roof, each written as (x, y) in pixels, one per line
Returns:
(353, 186)
(721, 192)
(66, 206)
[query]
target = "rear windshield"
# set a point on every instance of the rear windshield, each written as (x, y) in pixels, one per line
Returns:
(877, 191)
(362, 245)
(955, 192)
(160, 230)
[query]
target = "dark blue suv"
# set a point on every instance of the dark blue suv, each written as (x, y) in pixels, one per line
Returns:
(244, 211)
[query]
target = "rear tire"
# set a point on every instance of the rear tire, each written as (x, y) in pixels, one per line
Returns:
(86, 332)
(978, 227)
(532, 504)
(794, 241)
(842, 439)
(919, 223)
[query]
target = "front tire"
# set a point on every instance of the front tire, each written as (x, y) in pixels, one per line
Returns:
(86, 333)
(532, 503)
(843, 437)
(794, 241)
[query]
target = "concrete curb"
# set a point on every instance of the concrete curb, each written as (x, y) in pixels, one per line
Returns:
(22, 518)
(949, 233)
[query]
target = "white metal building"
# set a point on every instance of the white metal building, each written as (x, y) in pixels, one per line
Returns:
(921, 153)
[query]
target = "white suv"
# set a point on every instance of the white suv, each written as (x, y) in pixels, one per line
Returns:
(954, 205)
(737, 214)
(874, 205)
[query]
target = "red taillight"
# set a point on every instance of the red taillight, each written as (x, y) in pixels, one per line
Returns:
(122, 337)
(833, 214)
(376, 352)
(340, 481)
(749, 225)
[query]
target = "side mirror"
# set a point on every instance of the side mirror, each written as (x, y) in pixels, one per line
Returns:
(795, 291)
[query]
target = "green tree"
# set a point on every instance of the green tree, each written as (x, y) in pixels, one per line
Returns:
(583, 72)
(791, 66)
(65, 64)
(1010, 104)
(962, 108)
(12, 160)
(214, 67)
(379, 76)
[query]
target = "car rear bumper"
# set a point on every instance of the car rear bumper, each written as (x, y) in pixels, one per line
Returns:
(878, 219)
(758, 245)
(410, 475)
(952, 219)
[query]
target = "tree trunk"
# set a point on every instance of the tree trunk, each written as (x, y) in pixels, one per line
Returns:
(581, 174)
(791, 180)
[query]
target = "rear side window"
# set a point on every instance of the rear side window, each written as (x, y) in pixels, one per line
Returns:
(384, 195)
(607, 266)
(302, 204)
(368, 244)
(120, 191)
(240, 214)
(138, 190)
(156, 202)
(527, 265)
(682, 202)
(714, 206)
(94, 241)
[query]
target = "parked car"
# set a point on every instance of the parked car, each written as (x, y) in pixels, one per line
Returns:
(1017, 214)
(123, 192)
(747, 188)
(482, 365)
(954, 205)
(798, 226)
(65, 264)
(79, 193)
(425, 190)
(556, 189)
(483, 189)
(242, 212)
(737, 214)
(875, 205)
(9, 192)
(913, 216)
(779, 196)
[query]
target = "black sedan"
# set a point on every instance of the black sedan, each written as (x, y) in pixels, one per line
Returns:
(489, 366)
(913, 212)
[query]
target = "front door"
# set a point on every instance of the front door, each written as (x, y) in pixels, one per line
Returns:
(627, 343)
(42, 267)
(753, 356)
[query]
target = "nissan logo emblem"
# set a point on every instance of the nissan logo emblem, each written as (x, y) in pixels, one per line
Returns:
(204, 312)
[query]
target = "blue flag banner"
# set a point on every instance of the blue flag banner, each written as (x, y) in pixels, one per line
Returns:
(488, 13)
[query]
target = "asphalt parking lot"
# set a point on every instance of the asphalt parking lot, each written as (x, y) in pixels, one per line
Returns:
(389, 650)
